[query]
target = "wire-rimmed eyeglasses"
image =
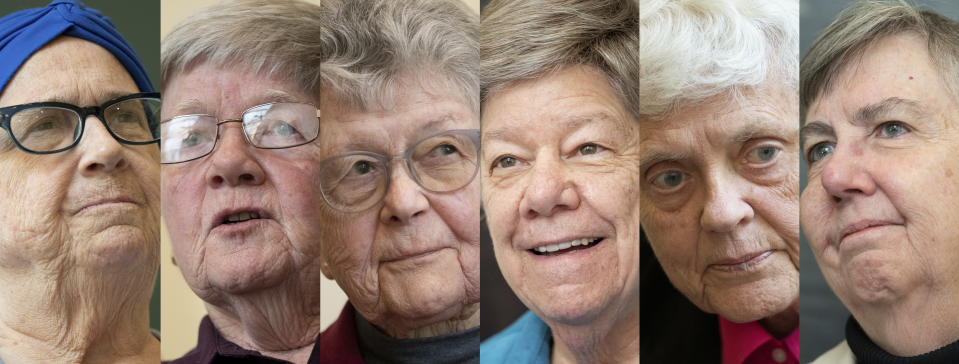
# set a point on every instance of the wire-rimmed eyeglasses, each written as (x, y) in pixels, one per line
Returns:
(53, 127)
(269, 126)
(444, 162)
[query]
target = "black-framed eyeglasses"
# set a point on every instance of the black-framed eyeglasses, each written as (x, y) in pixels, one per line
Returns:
(275, 125)
(444, 162)
(53, 127)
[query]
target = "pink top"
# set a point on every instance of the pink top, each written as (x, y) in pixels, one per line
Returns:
(750, 343)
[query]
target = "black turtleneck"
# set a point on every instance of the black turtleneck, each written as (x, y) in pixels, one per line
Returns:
(377, 347)
(867, 352)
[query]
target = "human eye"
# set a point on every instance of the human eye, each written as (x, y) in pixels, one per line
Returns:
(283, 128)
(192, 139)
(669, 180)
(589, 148)
(505, 162)
(443, 149)
(819, 151)
(891, 129)
(762, 154)
(360, 168)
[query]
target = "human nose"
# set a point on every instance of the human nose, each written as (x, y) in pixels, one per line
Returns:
(101, 152)
(845, 175)
(404, 197)
(233, 163)
(726, 206)
(550, 189)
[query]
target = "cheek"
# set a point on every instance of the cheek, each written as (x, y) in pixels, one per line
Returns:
(30, 209)
(346, 242)
(460, 211)
(501, 207)
(814, 215)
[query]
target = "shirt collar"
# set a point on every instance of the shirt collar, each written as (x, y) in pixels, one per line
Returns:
(211, 345)
(741, 340)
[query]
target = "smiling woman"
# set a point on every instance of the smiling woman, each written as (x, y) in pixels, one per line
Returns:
(560, 184)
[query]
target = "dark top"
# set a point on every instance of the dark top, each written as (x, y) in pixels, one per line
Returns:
(377, 347)
(670, 322)
(213, 348)
(867, 352)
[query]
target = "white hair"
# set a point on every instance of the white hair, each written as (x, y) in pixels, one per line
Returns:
(692, 50)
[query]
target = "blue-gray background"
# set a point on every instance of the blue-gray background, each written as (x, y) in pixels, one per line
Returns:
(822, 317)
(138, 22)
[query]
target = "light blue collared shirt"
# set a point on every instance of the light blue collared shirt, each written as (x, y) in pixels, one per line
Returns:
(526, 341)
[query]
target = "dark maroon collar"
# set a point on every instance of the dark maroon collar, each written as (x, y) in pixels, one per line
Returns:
(339, 340)
(212, 347)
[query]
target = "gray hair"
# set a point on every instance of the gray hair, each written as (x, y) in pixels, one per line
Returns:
(692, 50)
(278, 38)
(522, 40)
(862, 24)
(368, 45)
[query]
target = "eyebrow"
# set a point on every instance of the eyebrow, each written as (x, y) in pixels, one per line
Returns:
(569, 123)
(272, 95)
(865, 115)
(71, 98)
(815, 128)
(882, 109)
(762, 127)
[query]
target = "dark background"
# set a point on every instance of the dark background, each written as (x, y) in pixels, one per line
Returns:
(139, 22)
(822, 317)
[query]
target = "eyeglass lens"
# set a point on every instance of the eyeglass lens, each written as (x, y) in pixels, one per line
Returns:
(271, 126)
(357, 181)
(50, 128)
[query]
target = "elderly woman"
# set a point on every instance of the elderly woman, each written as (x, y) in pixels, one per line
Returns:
(400, 144)
(239, 176)
(79, 245)
(879, 105)
(560, 185)
(719, 168)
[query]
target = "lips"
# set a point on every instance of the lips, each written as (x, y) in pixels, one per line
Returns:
(93, 203)
(742, 262)
(862, 225)
(238, 215)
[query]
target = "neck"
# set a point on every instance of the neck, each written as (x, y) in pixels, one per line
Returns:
(463, 318)
(282, 322)
(613, 339)
(784, 323)
(916, 324)
(77, 316)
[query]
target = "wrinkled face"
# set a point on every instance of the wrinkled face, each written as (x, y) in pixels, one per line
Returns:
(720, 202)
(413, 258)
(276, 187)
(96, 205)
(880, 207)
(560, 189)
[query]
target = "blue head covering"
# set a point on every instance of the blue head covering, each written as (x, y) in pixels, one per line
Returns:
(24, 32)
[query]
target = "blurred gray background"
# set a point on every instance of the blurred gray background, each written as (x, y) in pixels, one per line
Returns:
(822, 317)
(138, 22)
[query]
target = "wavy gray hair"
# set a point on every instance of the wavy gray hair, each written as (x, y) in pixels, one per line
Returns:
(368, 45)
(524, 39)
(278, 38)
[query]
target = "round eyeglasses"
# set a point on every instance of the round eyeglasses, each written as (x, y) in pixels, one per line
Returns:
(268, 126)
(357, 181)
(52, 127)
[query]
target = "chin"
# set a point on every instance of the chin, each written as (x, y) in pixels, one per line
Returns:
(247, 271)
(118, 248)
(569, 306)
(753, 302)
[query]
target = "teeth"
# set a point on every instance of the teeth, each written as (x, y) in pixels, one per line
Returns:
(241, 216)
(564, 245)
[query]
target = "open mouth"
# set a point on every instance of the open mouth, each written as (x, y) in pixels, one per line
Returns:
(567, 246)
(236, 218)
